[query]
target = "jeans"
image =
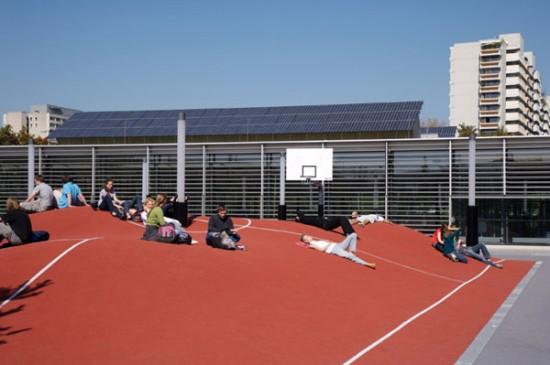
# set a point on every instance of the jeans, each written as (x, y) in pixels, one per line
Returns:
(349, 243)
(107, 204)
(479, 252)
(134, 203)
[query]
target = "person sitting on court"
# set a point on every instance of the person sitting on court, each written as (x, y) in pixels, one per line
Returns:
(478, 252)
(450, 237)
(437, 237)
(221, 232)
(109, 202)
(326, 223)
(15, 225)
(365, 219)
(345, 248)
(41, 198)
(71, 195)
(182, 235)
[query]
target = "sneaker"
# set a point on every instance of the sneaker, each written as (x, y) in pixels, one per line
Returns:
(194, 242)
(240, 247)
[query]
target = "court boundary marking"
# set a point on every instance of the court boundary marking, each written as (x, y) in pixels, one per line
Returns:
(44, 269)
(411, 319)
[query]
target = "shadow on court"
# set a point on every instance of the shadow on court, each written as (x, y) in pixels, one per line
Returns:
(5, 293)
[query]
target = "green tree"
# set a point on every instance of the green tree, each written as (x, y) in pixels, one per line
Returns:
(9, 137)
(466, 130)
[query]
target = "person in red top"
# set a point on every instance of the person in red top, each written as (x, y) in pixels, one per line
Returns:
(437, 237)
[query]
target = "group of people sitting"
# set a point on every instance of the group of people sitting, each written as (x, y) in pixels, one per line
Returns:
(156, 213)
(43, 197)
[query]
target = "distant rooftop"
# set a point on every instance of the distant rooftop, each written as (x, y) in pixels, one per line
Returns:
(258, 121)
(441, 132)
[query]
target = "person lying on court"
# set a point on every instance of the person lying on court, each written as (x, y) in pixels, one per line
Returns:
(156, 226)
(221, 231)
(326, 223)
(346, 248)
(365, 219)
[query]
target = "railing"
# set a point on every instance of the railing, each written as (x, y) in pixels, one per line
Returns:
(419, 182)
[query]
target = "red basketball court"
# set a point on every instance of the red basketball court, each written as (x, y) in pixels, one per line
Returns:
(115, 299)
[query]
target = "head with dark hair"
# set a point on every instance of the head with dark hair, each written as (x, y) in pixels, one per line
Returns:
(66, 178)
(108, 185)
(38, 178)
(221, 208)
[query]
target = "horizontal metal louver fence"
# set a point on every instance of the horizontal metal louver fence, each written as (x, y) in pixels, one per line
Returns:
(420, 183)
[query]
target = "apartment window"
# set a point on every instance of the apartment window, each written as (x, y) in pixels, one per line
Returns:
(490, 83)
(515, 50)
(490, 58)
(489, 107)
(491, 70)
(489, 120)
(490, 95)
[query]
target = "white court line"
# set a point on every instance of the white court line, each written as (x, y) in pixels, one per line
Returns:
(411, 319)
(248, 225)
(376, 256)
(411, 267)
(44, 269)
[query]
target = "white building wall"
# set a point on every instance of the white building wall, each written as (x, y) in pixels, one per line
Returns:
(464, 84)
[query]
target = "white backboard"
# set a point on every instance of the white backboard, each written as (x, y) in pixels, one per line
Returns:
(313, 164)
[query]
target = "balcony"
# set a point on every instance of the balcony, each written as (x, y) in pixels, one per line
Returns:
(490, 51)
(486, 101)
(489, 113)
(493, 76)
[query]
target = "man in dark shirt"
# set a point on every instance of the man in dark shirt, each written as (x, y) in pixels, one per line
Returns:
(326, 223)
(221, 232)
(15, 225)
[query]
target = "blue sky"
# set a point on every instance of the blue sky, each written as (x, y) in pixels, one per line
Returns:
(132, 55)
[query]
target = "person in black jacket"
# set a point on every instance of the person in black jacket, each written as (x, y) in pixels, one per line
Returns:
(221, 232)
(15, 225)
(326, 223)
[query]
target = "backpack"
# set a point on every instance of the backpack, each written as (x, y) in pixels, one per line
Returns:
(166, 233)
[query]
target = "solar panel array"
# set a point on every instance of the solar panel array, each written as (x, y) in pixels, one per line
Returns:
(366, 117)
(442, 132)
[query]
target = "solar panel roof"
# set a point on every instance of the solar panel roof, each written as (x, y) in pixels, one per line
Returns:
(364, 117)
(443, 132)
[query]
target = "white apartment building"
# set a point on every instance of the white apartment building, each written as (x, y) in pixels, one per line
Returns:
(41, 120)
(494, 84)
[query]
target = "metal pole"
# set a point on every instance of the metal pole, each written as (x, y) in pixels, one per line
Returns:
(261, 181)
(145, 174)
(92, 194)
(386, 182)
(282, 180)
(30, 164)
(40, 161)
(181, 158)
(180, 206)
(504, 166)
(450, 209)
(203, 193)
(471, 216)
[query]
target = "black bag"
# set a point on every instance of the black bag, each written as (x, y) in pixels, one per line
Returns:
(38, 236)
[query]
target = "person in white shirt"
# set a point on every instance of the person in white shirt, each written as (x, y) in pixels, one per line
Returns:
(41, 198)
(365, 219)
(345, 249)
